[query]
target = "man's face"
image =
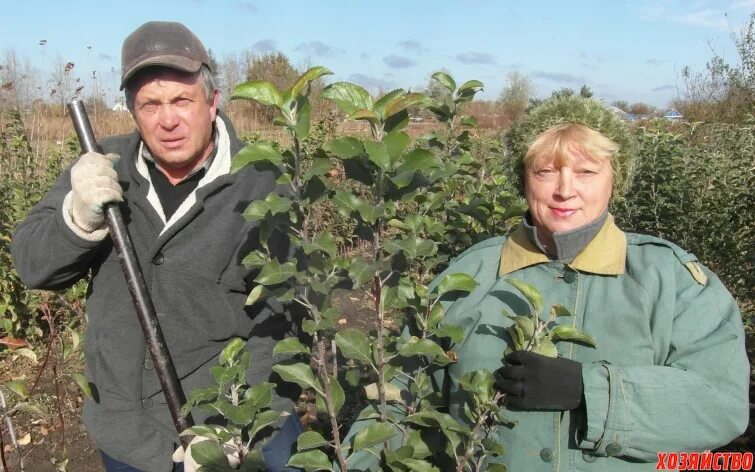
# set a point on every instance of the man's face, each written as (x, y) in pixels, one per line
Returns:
(174, 118)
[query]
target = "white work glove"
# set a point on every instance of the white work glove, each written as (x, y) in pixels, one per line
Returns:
(94, 183)
(231, 448)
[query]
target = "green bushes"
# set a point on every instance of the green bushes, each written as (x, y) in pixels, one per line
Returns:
(21, 186)
(695, 185)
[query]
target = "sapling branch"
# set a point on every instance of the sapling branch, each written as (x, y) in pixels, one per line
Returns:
(328, 397)
(481, 419)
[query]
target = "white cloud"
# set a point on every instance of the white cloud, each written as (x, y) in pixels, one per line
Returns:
(706, 18)
(742, 5)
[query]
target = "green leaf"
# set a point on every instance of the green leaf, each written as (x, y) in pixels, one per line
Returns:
(546, 348)
(254, 461)
(377, 153)
(28, 408)
(419, 159)
(361, 271)
(237, 414)
(310, 440)
(456, 333)
(517, 336)
(311, 74)
(560, 310)
(471, 86)
(300, 374)
(347, 203)
(199, 396)
(255, 259)
(434, 419)
(570, 333)
(272, 204)
(258, 293)
(385, 100)
(405, 101)
(19, 388)
(338, 397)
(392, 392)
(26, 352)
(396, 122)
(373, 435)
(303, 118)
(208, 453)
(445, 80)
(456, 282)
(371, 213)
(83, 383)
(319, 166)
(425, 347)
(525, 324)
(260, 91)
(262, 151)
(324, 242)
(260, 395)
(231, 350)
(349, 97)
(470, 121)
(345, 147)
(496, 468)
(262, 420)
(418, 465)
(366, 115)
(274, 273)
(493, 446)
(354, 344)
(290, 346)
(310, 461)
(395, 142)
(530, 293)
(353, 377)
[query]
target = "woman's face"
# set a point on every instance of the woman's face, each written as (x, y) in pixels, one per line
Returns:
(567, 194)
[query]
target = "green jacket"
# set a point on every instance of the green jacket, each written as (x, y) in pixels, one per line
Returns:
(670, 371)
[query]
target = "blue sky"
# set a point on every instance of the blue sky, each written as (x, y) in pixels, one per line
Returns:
(631, 50)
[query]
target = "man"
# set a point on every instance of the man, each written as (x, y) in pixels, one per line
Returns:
(183, 210)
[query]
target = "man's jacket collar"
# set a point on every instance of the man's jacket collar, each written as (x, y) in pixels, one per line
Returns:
(604, 255)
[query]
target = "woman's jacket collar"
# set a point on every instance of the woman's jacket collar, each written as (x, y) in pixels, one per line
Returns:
(604, 255)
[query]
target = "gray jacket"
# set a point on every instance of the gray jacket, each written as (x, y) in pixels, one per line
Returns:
(192, 267)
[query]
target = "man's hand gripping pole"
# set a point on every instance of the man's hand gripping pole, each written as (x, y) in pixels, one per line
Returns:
(164, 368)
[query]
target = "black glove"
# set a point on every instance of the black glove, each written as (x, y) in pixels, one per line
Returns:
(535, 382)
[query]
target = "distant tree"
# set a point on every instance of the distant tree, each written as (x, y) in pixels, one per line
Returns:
(621, 105)
(585, 92)
(723, 92)
(274, 67)
(640, 108)
(19, 81)
(516, 94)
(63, 83)
(214, 65)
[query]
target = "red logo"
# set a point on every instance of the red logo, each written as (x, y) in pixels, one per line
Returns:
(704, 461)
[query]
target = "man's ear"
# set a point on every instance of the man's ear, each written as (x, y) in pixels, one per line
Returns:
(214, 104)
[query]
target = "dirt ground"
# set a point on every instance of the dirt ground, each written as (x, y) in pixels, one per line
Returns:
(51, 448)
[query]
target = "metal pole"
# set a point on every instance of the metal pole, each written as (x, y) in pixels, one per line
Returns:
(166, 371)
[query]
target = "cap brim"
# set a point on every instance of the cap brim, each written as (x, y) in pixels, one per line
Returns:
(174, 62)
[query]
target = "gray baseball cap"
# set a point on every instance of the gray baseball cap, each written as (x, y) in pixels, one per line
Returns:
(162, 43)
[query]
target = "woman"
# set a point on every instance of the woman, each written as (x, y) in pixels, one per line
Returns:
(669, 372)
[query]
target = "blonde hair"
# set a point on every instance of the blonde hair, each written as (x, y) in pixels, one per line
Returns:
(560, 142)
